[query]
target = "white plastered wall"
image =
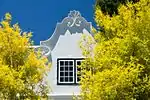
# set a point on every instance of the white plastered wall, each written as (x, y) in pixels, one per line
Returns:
(67, 46)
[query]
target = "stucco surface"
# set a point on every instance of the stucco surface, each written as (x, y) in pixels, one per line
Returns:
(64, 43)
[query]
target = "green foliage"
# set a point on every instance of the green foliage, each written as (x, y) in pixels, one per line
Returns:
(111, 6)
(118, 66)
(22, 70)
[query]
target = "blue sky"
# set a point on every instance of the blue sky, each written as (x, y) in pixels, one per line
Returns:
(41, 16)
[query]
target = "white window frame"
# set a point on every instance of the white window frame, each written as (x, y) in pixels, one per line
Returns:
(59, 72)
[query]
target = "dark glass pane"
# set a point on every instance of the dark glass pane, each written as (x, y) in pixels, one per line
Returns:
(66, 68)
(66, 62)
(61, 68)
(70, 73)
(66, 73)
(78, 69)
(70, 68)
(61, 79)
(70, 79)
(78, 62)
(78, 79)
(61, 73)
(61, 63)
(66, 79)
(70, 62)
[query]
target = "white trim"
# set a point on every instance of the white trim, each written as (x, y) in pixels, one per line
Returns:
(64, 94)
(64, 71)
(38, 46)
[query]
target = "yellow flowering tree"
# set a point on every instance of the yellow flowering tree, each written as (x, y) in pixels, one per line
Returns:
(118, 66)
(22, 70)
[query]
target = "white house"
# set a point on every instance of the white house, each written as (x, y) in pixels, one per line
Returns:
(63, 50)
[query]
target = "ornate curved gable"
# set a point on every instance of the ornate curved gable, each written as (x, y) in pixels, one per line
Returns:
(74, 23)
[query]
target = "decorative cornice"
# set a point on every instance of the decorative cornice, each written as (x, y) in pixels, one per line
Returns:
(74, 23)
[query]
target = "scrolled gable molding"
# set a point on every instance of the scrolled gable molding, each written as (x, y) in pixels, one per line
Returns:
(45, 50)
(74, 23)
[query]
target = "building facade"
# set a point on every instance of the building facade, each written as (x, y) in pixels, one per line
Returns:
(63, 50)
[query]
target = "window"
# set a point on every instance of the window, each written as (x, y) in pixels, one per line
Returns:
(78, 70)
(68, 71)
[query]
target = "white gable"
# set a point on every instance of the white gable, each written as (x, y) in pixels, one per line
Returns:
(73, 24)
(64, 43)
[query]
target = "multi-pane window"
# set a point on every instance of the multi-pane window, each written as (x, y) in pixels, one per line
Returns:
(68, 71)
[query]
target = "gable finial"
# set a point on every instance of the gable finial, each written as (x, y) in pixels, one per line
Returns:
(74, 14)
